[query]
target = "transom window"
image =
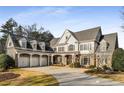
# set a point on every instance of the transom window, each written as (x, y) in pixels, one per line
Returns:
(71, 48)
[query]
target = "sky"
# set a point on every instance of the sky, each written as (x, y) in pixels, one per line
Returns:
(57, 19)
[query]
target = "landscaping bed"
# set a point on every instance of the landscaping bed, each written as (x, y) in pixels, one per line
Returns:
(19, 77)
(116, 76)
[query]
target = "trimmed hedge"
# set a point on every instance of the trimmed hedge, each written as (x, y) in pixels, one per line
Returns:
(118, 60)
(6, 62)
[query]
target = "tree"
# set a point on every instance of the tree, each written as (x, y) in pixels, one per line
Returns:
(20, 31)
(118, 59)
(7, 28)
(6, 62)
(38, 33)
(33, 32)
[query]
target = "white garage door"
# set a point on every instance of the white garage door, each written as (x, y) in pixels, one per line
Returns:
(24, 61)
(44, 61)
(35, 61)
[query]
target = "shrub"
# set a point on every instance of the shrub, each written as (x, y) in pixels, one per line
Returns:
(6, 62)
(118, 60)
(106, 68)
(91, 66)
(75, 65)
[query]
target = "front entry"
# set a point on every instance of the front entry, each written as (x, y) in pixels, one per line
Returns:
(68, 59)
(85, 61)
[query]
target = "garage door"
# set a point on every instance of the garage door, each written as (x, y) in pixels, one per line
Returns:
(35, 61)
(24, 61)
(44, 61)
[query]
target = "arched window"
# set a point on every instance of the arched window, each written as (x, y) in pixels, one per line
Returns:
(71, 47)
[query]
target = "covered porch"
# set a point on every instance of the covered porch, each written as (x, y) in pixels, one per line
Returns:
(65, 58)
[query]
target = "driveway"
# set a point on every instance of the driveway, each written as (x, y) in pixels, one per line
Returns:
(74, 76)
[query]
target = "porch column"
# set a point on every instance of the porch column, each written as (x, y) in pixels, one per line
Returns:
(73, 58)
(63, 59)
(30, 60)
(40, 60)
(52, 59)
(80, 60)
(17, 61)
(48, 60)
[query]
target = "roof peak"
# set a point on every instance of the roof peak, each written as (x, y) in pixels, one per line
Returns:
(98, 27)
(111, 34)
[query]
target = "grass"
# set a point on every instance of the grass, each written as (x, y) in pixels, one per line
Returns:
(29, 78)
(116, 76)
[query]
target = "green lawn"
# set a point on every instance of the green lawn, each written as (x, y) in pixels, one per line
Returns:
(29, 78)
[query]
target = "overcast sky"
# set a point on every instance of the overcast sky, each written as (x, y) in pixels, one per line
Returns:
(57, 19)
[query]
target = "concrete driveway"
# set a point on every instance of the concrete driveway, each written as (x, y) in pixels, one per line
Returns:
(74, 76)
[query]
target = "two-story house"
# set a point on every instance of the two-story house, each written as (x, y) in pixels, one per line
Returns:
(89, 47)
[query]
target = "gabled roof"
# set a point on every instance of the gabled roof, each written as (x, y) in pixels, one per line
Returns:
(111, 40)
(54, 41)
(89, 34)
(16, 38)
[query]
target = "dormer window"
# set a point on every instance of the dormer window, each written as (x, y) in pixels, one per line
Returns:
(34, 44)
(42, 45)
(23, 43)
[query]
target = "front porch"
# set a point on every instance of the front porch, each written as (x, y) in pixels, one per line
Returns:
(68, 58)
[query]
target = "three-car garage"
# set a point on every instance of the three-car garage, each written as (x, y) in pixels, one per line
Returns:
(27, 60)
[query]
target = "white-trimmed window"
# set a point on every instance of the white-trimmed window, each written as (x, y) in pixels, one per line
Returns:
(71, 47)
(87, 46)
(23, 43)
(60, 49)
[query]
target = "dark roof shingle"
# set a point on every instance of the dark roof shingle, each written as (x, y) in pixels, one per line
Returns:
(111, 39)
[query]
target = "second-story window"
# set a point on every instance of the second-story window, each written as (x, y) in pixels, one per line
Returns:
(87, 46)
(60, 49)
(71, 48)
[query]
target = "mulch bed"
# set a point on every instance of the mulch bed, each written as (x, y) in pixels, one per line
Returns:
(7, 76)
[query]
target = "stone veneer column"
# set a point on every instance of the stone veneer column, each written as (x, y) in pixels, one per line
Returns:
(73, 58)
(52, 59)
(63, 59)
(17, 61)
(48, 60)
(80, 60)
(30, 60)
(40, 60)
